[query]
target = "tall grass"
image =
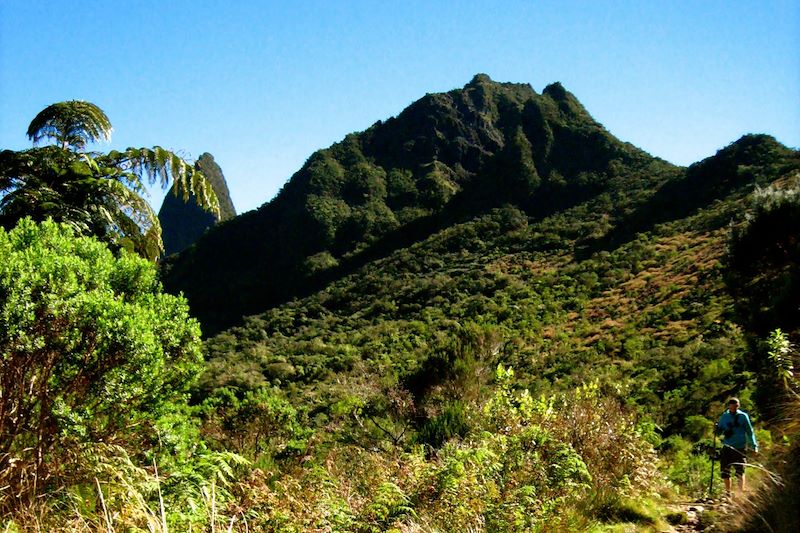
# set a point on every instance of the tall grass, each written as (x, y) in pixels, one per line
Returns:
(772, 505)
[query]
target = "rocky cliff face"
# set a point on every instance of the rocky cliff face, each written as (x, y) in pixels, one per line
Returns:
(182, 223)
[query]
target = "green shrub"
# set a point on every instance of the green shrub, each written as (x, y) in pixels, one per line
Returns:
(452, 422)
(254, 423)
(93, 353)
(389, 504)
(687, 467)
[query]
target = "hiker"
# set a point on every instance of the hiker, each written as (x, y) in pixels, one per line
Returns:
(738, 438)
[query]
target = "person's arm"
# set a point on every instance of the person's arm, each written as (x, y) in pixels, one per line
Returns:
(718, 427)
(751, 435)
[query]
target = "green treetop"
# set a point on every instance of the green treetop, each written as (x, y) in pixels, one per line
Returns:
(92, 353)
(96, 193)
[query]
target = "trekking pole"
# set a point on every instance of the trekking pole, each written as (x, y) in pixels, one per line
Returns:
(713, 460)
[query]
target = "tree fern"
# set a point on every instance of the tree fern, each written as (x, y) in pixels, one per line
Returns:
(70, 124)
(95, 193)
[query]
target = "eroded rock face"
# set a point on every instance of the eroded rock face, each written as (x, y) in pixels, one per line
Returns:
(182, 223)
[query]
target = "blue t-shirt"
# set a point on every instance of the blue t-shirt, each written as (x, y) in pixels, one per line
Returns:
(737, 429)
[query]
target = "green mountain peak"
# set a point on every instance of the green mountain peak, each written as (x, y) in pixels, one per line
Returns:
(445, 159)
(491, 250)
(556, 91)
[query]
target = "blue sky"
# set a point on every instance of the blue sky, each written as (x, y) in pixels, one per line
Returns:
(261, 85)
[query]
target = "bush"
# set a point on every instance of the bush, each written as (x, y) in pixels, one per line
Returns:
(254, 423)
(687, 467)
(452, 422)
(93, 354)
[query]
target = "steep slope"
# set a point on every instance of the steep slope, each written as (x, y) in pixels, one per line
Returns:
(445, 159)
(648, 317)
(615, 287)
(182, 223)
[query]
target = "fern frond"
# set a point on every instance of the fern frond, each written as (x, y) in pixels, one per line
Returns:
(158, 164)
(71, 124)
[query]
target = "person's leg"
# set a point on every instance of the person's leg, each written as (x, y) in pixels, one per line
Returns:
(725, 468)
(741, 459)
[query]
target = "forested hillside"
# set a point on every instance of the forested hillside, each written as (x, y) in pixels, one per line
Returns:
(635, 299)
(625, 314)
(484, 314)
(445, 159)
(494, 228)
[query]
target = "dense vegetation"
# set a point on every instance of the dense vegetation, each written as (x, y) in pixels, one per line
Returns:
(96, 361)
(630, 284)
(182, 220)
(95, 193)
(485, 314)
(445, 159)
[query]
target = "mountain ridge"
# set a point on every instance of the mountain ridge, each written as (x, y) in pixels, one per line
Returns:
(648, 317)
(445, 157)
(535, 263)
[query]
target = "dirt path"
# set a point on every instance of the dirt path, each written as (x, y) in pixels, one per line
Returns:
(699, 515)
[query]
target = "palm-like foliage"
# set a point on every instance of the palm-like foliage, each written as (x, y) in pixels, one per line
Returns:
(72, 123)
(96, 193)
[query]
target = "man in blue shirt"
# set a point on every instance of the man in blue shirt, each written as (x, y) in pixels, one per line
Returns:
(738, 438)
